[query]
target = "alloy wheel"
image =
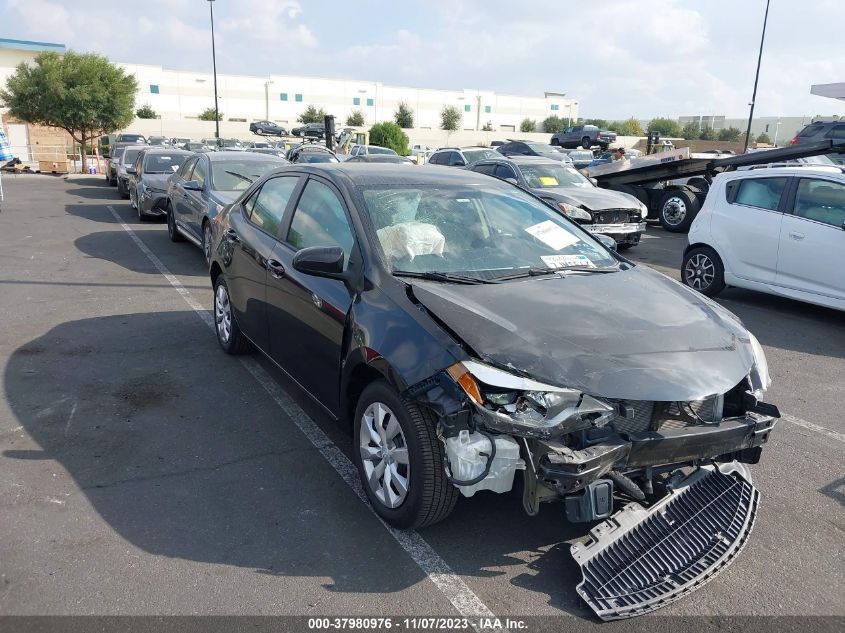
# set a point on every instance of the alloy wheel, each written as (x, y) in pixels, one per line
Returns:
(223, 313)
(384, 454)
(699, 272)
(206, 241)
(674, 211)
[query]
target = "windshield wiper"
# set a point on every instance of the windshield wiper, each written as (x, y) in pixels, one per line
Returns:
(536, 272)
(237, 175)
(431, 275)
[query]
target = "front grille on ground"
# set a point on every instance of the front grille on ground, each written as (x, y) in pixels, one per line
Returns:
(640, 560)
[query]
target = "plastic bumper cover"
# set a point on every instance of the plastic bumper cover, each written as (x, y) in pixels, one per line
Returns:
(642, 559)
(625, 228)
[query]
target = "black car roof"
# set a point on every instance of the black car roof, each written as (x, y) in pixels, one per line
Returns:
(165, 150)
(361, 173)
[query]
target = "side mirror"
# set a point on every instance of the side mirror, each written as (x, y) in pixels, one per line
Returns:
(594, 181)
(512, 180)
(606, 240)
(320, 261)
(192, 185)
(131, 170)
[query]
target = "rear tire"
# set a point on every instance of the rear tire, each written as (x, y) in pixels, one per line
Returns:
(429, 496)
(703, 270)
(677, 209)
(229, 335)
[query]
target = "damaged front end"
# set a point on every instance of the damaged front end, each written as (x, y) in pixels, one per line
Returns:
(593, 453)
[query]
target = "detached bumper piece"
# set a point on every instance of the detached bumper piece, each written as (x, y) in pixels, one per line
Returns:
(642, 559)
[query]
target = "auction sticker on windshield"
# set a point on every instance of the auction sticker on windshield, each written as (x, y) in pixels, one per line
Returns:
(552, 235)
(549, 181)
(566, 261)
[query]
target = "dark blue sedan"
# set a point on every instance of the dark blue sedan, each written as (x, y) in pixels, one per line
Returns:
(204, 185)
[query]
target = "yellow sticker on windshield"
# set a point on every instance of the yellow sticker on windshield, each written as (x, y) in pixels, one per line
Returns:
(548, 181)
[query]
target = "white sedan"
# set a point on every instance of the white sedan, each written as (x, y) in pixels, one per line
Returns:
(780, 231)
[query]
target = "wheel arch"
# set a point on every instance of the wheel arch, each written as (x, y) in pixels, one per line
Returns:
(358, 373)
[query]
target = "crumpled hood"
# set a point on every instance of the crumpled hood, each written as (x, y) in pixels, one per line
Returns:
(635, 334)
(593, 198)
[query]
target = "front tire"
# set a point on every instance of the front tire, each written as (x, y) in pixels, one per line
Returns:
(677, 209)
(173, 230)
(229, 335)
(400, 459)
(585, 143)
(702, 270)
(206, 241)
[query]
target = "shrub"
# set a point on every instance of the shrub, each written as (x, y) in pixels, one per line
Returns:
(450, 118)
(707, 134)
(666, 127)
(528, 125)
(404, 116)
(146, 112)
(355, 119)
(730, 134)
(390, 135)
(691, 131)
(764, 138)
(553, 124)
(208, 115)
(312, 115)
(629, 127)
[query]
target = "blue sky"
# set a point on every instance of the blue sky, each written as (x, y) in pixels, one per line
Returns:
(618, 57)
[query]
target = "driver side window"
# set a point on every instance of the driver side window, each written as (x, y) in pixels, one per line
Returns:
(320, 220)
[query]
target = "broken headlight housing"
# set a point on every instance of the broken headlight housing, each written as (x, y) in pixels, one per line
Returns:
(521, 406)
(759, 375)
(576, 213)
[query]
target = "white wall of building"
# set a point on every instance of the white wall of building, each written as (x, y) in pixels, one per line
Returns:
(175, 95)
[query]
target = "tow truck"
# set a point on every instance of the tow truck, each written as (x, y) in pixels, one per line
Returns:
(674, 183)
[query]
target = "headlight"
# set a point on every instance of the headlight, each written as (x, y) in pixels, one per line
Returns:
(643, 210)
(574, 212)
(522, 406)
(759, 374)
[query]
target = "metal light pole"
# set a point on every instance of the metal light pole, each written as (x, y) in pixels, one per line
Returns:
(756, 77)
(214, 65)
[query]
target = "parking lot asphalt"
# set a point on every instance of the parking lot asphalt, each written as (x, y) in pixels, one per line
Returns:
(146, 472)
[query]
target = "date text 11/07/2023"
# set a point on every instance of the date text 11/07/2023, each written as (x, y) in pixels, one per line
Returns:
(415, 624)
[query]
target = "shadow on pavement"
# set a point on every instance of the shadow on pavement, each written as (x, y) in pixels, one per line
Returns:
(116, 247)
(184, 455)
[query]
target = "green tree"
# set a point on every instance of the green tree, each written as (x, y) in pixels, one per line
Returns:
(666, 127)
(691, 131)
(312, 115)
(528, 125)
(450, 118)
(404, 116)
(730, 134)
(355, 119)
(390, 135)
(83, 94)
(707, 134)
(764, 138)
(146, 112)
(208, 115)
(629, 127)
(553, 124)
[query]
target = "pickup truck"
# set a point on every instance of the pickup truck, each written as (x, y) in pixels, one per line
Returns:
(585, 136)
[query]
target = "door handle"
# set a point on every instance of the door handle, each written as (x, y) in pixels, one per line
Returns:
(796, 236)
(232, 235)
(275, 268)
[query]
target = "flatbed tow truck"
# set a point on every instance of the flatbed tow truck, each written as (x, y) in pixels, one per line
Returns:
(673, 184)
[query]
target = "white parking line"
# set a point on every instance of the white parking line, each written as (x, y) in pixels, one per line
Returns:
(429, 561)
(813, 427)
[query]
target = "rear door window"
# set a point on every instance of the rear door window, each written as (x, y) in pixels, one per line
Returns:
(504, 171)
(762, 193)
(485, 169)
(820, 200)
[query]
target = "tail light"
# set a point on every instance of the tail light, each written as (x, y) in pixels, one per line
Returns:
(794, 141)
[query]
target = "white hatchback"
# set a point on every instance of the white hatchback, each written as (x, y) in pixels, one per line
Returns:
(779, 230)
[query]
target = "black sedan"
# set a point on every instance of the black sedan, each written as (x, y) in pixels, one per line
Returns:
(601, 211)
(204, 185)
(466, 330)
(311, 153)
(530, 148)
(267, 128)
